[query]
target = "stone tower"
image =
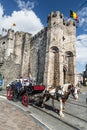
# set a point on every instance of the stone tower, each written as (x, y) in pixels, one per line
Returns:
(10, 43)
(60, 61)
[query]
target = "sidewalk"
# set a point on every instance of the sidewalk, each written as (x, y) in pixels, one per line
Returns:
(12, 118)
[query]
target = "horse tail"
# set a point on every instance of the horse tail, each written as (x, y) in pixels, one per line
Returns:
(46, 96)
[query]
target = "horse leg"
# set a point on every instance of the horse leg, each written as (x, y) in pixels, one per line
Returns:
(61, 108)
(43, 102)
(53, 103)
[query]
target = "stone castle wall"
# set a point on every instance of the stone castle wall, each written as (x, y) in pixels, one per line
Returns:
(37, 55)
(49, 56)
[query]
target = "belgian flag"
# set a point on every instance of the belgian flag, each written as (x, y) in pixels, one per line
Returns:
(73, 15)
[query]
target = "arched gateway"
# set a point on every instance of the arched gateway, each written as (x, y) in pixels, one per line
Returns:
(60, 67)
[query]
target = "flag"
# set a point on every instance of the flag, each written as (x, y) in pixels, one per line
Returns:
(14, 24)
(73, 15)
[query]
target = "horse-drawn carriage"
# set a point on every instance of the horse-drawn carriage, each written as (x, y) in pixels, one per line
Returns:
(31, 93)
(26, 93)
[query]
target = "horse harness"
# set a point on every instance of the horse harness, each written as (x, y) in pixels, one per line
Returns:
(63, 95)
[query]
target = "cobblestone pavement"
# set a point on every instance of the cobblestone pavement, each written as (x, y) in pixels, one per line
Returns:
(12, 118)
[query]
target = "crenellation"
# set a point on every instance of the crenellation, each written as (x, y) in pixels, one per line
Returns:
(74, 23)
(64, 22)
(70, 23)
(61, 16)
(55, 14)
(39, 34)
(19, 35)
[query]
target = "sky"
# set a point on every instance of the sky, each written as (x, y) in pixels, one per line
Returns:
(31, 16)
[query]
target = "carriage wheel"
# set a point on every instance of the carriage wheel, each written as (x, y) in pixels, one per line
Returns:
(25, 100)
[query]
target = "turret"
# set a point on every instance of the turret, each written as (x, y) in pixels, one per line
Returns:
(10, 34)
(19, 45)
(54, 18)
(10, 43)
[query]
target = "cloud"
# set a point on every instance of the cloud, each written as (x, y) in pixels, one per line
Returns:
(81, 44)
(1, 11)
(81, 49)
(25, 5)
(83, 18)
(25, 19)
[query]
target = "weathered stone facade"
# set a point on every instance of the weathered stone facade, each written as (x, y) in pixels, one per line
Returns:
(50, 55)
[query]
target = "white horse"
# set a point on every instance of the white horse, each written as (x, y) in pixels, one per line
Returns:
(61, 94)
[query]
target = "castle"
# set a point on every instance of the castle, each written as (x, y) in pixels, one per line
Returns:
(49, 56)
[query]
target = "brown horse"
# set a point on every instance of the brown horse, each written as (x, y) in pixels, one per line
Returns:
(61, 94)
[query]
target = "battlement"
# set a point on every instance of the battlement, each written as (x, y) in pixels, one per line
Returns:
(69, 23)
(53, 15)
(39, 34)
(55, 18)
(19, 34)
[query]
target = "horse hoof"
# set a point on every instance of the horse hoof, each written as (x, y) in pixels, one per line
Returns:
(61, 114)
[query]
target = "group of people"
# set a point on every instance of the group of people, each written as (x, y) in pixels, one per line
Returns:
(23, 82)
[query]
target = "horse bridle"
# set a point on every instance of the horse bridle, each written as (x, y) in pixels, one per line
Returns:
(73, 91)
